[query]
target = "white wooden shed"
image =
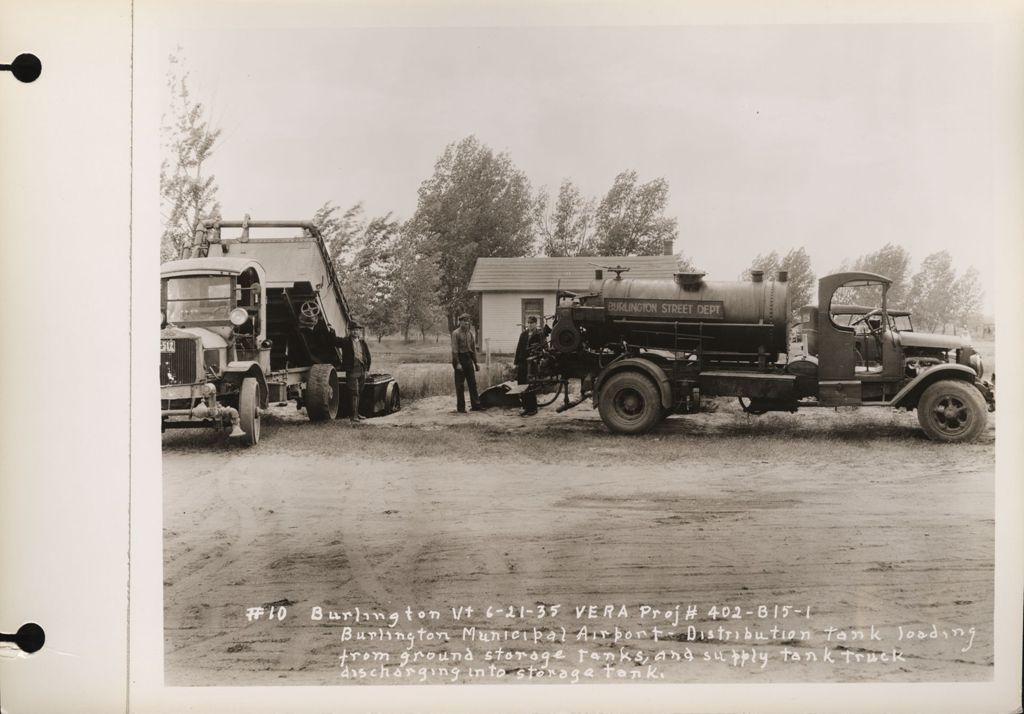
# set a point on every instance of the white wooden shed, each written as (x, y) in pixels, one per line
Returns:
(512, 289)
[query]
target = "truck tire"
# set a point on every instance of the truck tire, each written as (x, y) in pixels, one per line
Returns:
(323, 393)
(249, 411)
(952, 410)
(630, 403)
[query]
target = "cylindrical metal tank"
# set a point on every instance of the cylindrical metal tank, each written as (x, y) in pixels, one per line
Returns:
(727, 318)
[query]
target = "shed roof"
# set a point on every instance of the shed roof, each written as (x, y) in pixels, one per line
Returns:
(521, 274)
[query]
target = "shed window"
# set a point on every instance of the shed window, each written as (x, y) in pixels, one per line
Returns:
(534, 307)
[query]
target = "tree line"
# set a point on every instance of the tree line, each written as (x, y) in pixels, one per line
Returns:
(410, 277)
(938, 298)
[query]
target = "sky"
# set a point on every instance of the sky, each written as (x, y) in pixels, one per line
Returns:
(837, 138)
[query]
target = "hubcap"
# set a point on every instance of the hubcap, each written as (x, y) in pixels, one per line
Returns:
(951, 415)
(629, 403)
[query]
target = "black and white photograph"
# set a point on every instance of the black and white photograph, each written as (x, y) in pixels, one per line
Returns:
(571, 357)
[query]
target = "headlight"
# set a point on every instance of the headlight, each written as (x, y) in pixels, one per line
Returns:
(977, 365)
(238, 316)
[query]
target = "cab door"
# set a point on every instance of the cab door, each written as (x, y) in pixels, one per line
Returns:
(838, 356)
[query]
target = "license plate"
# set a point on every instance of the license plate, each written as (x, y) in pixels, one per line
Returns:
(166, 346)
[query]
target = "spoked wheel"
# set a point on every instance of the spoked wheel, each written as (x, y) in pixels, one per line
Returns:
(630, 403)
(951, 411)
(249, 411)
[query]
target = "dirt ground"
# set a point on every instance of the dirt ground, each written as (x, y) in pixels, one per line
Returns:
(818, 546)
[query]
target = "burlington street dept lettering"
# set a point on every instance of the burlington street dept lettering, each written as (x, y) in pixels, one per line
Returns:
(703, 309)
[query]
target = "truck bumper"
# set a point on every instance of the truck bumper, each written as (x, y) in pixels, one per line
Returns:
(180, 391)
(166, 424)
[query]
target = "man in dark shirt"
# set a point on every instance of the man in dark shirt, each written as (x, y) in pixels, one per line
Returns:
(355, 360)
(530, 336)
(465, 364)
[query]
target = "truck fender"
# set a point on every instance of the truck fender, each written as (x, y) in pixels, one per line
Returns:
(235, 372)
(652, 370)
(908, 396)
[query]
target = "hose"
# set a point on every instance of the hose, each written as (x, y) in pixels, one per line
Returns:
(553, 398)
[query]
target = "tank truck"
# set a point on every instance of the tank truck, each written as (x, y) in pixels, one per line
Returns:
(646, 349)
(249, 321)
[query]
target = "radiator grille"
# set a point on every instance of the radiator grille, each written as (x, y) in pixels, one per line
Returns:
(179, 367)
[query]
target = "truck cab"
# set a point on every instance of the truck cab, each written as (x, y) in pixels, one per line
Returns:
(218, 303)
(868, 354)
(214, 351)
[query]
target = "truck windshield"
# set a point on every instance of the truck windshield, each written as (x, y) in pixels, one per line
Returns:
(902, 323)
(198, 299)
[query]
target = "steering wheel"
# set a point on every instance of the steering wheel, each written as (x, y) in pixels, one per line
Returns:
(309, 314)
(867, 316)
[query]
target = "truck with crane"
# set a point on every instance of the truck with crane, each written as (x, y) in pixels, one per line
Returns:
(247, 321)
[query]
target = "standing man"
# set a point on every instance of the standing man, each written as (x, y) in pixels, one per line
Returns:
(355, 360)
(530, 336)
(465, 364)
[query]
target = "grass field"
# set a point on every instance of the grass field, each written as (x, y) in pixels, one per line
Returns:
(423, 367)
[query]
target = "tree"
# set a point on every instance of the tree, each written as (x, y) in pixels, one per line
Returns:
(476, 204)
(416, 283)
(767, 262)
(568, 230)
(630, 221)
(931, 292)
(372, 275)
(341, 232)
(890, 261)
(187, 195)
(893, 262)
(685, 264)
(968, 297)
(802, 279)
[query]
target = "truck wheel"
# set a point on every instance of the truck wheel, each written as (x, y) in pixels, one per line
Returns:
(952, 410)
(395, 402)
(630, 403)
(249, 411)
(323, 393)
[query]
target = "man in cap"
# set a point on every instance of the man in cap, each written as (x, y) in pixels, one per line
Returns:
(465, 364)
(355, 360)
(530, 336)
